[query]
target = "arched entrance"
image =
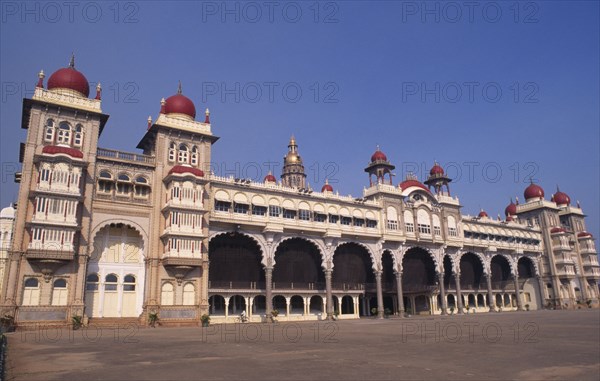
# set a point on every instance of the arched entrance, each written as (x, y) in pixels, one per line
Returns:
(353, 272)
(115, 273)
(418, 278)
(235, 262)
(298, 265)
(532, 293)
(471, 273)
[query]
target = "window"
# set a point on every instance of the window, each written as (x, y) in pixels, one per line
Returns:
(183, 154)
(333, 218)
(189, 294)
(259, 210)
(123, 185)
(274, 211)
(240, 208)
(359, 222)
(45, 175)
(59, 292)
(166, 295)
(304, 215)
(392, 224)
(289, 214)
(77, 142)
(91, 282)
(320, 217)
(452, 232)
(194, 157)
(425, 229)
(172, 149)
(437, 230)
(49, 135)
(110, 282)
(129, 283)
(410, 227)
(373, 224)
(141, 187)
(31, 293)
(346, 220)
(222, 206)
(64, 134)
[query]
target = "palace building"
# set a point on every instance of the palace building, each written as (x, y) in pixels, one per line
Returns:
(111, 235)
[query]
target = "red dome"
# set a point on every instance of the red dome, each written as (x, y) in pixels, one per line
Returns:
(561, 198)
(378, 156)
(509, 218)
(69, 78)
(327, 188)
(584, 234)
(557, 230)
(482, 214)
(58, 150)
(270, 178)
(511, 209)
(412, 183)
(180, 104)
(533, 191)
(180, 169)
(436, 170)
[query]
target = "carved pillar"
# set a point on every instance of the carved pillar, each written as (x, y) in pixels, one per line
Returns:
(400, 294)
(491, 301)
(12, 268)
(380, 308)
(268, 290)
(543, 293)
(329, 297)
(443, 293)
(459, 298)
(518, 292)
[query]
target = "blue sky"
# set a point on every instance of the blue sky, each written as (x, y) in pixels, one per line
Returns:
(497, 93)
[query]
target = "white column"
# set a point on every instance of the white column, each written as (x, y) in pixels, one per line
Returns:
(226, 307)
(287, 307)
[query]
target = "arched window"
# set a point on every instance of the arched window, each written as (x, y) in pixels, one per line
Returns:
(91, 282)
(110, 282)
(49, 135)
(78, 141)
(59, 292)
(129, 283)
(166, 295)
(141, 187)
(183, 154)
(124, 185)
(189, 294)
(194, 157)
(172, 150)
(31, 293)
(105, 182)
(64, 134)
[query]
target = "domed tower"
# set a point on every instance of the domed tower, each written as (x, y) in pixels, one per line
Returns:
(379, 167)
(293, 175)
(561, 198)
(438, 179)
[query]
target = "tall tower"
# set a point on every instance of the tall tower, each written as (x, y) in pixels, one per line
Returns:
(379, 167)
(293, 175)
(438, 180)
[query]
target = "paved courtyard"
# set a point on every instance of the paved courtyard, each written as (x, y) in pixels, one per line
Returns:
(540, 345)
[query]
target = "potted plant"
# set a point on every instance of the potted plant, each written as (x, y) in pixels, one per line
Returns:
(589, 303)
(153, 319)
(205, 319)
(374, 311)
(77, 322)
(451, 310)
(336, 314)
(467, 308)
(274, 314)
(527, 307)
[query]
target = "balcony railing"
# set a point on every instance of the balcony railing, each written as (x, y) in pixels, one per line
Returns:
(125, 156)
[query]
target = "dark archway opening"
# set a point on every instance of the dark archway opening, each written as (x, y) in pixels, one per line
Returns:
(235, 262)
(418, 271)
(500, 272)
(297, 261)
(471, 272)
(525, 268)
(351, 267)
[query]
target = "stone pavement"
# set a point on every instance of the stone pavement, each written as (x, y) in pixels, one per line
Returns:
(537, 345)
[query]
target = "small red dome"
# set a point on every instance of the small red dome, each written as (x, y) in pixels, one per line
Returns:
(180, 104)
(269, 178)
(181, 169)
(413, 183)
(58, 150)
(482, 214)
(511, 209)
(533, 191)
(436, 170)
(509, 218)
(69, 78)
(561, 198)
(327, 188)
(584, 234)
(378, 156)
(557, 230)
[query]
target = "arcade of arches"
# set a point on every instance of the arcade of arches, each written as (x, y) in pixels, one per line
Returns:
(300, 287)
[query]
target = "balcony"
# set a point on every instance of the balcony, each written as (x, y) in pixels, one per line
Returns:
(55, 219)
(175, 258)
(566, 271)
(50, 251)
(125, 157)
(185, 204)
(58, 188)
(592, 272)
(563, 259)
(183, 230)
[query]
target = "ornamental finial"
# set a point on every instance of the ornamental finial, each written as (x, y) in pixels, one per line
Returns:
(41, 76)
(98, 91)
(179, 88)
(207, 116)
(72, 61)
